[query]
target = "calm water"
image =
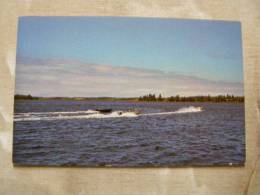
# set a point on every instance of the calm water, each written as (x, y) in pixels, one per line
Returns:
(162, 134)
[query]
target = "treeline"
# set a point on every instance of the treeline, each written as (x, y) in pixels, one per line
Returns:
(145, 98)
(25, 97)
(177, 98)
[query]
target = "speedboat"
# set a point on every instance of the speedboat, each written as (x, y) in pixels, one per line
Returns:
(104, 111)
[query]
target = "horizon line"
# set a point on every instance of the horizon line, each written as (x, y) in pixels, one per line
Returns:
(33, 96)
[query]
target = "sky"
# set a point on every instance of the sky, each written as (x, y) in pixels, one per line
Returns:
(128, 57)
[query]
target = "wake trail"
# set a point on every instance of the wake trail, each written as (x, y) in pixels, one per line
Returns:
(92, 114)
(183, 110)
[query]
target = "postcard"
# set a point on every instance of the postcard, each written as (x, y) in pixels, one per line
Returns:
(128, 92)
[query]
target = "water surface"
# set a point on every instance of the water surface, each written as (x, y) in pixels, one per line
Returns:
(56, 132)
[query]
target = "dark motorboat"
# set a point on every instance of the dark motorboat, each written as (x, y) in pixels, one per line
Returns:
(104, 111)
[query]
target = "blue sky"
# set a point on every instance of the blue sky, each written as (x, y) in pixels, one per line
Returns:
(201, 49)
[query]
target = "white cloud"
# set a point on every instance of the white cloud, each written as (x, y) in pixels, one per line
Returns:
(72, 78)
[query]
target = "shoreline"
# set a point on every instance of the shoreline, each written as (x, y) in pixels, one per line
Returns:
(121, 100)
(146, 98)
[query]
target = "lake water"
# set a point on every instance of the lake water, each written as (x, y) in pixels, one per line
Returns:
(57, 132)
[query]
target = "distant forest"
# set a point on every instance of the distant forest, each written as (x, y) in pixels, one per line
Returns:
(208, 98)
(145, 98)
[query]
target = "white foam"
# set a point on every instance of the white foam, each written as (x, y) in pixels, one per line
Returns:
(90, 114)
(54, 113)
(183, 110)
(95, 114)
(157, 113)
(189, 109)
